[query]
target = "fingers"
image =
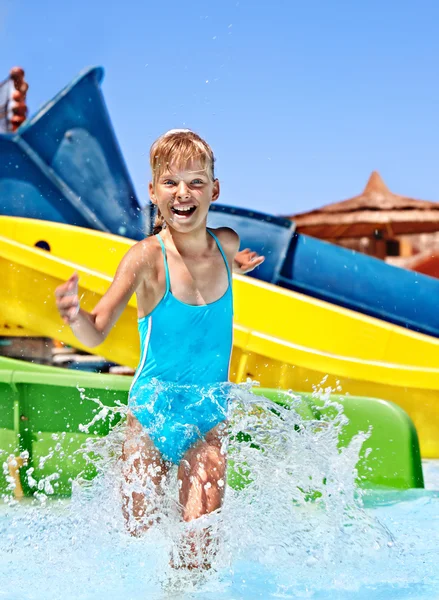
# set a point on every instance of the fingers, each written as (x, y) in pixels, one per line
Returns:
(67, 300)
(70, 285)
(68, 307)
(65, 303)
(253, 256)
(252, 261)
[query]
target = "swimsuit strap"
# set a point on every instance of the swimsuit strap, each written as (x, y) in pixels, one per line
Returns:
(165, 260)
(229, 274)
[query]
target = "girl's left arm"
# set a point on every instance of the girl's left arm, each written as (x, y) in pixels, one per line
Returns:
(243, 261)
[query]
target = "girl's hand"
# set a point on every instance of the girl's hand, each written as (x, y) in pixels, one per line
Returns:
(67, 300)
(246, 260)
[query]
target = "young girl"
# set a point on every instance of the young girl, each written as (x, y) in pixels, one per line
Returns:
(182, 278)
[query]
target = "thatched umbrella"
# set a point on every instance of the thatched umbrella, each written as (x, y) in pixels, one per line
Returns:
(377, 212)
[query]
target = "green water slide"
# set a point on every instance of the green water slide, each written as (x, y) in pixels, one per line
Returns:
(42, 409)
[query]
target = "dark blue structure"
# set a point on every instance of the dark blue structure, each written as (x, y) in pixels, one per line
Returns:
(343, 277)
(265, 234)
(64, 164)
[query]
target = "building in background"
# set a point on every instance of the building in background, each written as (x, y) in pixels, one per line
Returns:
(379, 223)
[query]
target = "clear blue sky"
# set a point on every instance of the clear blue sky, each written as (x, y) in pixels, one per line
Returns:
(299, 100)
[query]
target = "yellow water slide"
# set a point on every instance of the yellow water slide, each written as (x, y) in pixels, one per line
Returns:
(281, 338)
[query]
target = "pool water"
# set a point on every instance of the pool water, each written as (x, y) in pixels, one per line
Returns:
(275, 542)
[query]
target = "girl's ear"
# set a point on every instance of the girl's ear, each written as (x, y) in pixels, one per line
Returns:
(216, 190)
(151, 193)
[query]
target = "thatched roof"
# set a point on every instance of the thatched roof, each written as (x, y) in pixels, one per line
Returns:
(376, 209)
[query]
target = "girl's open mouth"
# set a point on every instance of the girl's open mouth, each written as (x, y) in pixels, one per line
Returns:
(185, 211)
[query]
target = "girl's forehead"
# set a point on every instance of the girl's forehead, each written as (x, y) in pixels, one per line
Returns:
(190, 168)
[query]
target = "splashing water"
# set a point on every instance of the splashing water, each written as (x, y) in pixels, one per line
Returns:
(298, 527)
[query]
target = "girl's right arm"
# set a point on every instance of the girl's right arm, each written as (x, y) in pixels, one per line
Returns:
(91, 328)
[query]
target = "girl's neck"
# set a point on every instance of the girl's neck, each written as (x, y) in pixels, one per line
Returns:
(187, 244)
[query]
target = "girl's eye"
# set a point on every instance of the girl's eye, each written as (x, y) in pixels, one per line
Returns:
(197, 181)
(169, 182)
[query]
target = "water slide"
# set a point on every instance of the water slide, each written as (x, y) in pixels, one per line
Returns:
(332, 273)
(48, 403)
(64, 164)
(282, 338)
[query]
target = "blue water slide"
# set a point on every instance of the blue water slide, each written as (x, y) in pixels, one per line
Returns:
(26, 190)
(265, 234)
(70, 147)
(332, 273)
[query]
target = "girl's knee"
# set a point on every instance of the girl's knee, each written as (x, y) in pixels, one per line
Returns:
(205, 464)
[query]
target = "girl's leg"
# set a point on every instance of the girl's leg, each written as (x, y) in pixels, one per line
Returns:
(202, 473)
(144, 471)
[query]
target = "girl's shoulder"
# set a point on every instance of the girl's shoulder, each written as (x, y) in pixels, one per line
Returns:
(144, 255)
(149, 245)
(228, 239)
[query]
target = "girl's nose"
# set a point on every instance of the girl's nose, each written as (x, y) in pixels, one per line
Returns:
(182, 190)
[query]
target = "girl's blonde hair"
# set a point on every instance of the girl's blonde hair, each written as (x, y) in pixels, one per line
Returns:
(178, 147)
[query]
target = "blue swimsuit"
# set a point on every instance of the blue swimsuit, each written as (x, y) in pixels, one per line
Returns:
(180, 389)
